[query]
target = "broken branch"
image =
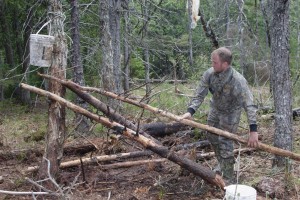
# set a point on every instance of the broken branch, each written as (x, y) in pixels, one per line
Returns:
(199, 170)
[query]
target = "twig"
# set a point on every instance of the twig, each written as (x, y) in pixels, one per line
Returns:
(25, 193)
(37, 185)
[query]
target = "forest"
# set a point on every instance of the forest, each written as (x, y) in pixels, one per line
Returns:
(91, 94)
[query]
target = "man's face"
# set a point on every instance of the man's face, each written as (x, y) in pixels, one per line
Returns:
(217, 64)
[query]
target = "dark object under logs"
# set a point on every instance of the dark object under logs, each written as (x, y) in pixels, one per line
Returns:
(160, 129)
(296, 113)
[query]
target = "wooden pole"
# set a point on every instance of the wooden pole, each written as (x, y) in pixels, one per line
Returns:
(262, 146)
(199, 170)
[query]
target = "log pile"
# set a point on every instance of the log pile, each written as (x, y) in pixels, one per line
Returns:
(144, 134)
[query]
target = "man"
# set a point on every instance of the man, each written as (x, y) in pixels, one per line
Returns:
(230, 93)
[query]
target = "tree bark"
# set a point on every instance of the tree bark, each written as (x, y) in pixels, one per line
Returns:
(190, 59)
(25, 94)
(282, 87)
(146, 45)
(56, 114)
(127, 48)
(76, 62)
(7, 43)
(115, 29)
(107, 69)
(199, 170)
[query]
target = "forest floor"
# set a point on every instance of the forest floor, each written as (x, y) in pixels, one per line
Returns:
(154, 180)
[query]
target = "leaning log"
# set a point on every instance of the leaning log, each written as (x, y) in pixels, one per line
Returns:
(197, 169)
(108, 111)
(262, 146)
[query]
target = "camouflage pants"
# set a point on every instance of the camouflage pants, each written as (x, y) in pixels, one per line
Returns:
(222, 146)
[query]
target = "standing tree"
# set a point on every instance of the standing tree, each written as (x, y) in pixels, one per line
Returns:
(281, 78)
(25, 96)
(76, 62)
(190, 5)
(146, 55)
(56, 117)
(115, 28)
(127, 49)
(107, 69)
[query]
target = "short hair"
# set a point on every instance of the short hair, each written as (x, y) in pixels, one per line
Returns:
(224, 54)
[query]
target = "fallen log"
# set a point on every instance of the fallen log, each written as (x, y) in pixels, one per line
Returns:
(109, 112)
(262, 146)
(203, 156)
(96, 159)
(160, 129)
(199, 144)
(122, 156)
(78, 147)
(197, 169)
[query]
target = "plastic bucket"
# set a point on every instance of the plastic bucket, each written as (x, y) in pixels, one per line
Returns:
(240, 192)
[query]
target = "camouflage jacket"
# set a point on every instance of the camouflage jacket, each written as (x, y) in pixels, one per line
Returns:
(229, 90)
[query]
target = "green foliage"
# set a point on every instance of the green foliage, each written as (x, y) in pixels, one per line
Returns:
(137, 68)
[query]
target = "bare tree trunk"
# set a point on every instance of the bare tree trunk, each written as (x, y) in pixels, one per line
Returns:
(115, 29)
(127, 50)
(1, 76)
(25, 94)
(82, 124)
(266, 8)
(191, 62)
(107, 69)
(56, 121)
(241, 36)
(9, 53)
(281, 78)
(146, 46)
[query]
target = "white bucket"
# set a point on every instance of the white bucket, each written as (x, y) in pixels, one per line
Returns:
(240, 192)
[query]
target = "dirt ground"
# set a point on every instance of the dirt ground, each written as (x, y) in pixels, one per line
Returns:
(162, 180)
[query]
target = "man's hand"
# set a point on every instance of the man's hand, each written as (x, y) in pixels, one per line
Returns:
(186, 115)
(253, 140)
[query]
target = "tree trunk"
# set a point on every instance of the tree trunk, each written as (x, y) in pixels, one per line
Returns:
(127, 50)
(146, 46)
(281, 78)
(7, 43)
(114, 17)
(242, 52)
(25, 94)
(56, 120)
(191, 62)
(82, 124)
(107, 68)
